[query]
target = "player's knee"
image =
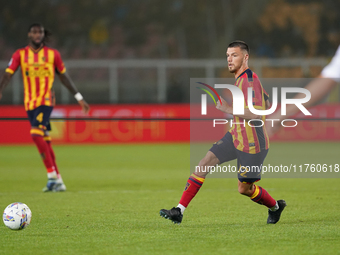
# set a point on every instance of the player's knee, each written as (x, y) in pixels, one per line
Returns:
(36, 131)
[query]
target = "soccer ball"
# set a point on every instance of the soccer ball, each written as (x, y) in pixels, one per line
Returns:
(17, 216)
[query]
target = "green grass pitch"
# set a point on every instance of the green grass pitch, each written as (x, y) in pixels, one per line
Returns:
(115, 193)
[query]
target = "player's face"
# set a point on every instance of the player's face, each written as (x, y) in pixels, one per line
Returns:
(36, 35)
(236, 57)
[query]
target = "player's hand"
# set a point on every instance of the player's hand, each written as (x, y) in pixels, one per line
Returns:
(224, 107)
(84, 106)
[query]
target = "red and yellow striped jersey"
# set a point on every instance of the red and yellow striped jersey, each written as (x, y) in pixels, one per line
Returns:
(248, 138)
(38, 70)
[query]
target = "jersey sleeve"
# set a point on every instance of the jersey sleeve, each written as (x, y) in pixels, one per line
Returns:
(13, 63)
(332, 70)
(58, 63)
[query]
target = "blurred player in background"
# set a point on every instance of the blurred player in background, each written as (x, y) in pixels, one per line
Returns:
(39, 64)
(319, 88)
(249, 144)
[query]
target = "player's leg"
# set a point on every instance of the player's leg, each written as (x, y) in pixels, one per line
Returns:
(250, 172)
(60, 184)
(192, 186)
(257, 194)
(48, 140)
(37, 135)
(197, 179)
(220, 152)
(38, 118)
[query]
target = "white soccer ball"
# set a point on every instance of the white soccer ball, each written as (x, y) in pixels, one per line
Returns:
(17, 216)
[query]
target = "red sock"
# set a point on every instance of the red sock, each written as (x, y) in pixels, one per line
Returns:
(37, 136)
(262, 197)
(49, 145)
(191, 188)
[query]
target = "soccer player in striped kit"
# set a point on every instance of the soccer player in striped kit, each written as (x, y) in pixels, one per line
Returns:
(248, 144)
(39, 64)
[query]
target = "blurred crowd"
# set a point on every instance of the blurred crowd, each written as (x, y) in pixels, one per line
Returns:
(120, 29)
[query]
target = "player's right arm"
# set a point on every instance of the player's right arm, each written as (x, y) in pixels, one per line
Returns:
(4, 82)
(318, 87)
(321, 85)
(10, 70)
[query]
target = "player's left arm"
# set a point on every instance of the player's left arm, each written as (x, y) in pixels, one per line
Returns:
(68, 83)
(4, 81)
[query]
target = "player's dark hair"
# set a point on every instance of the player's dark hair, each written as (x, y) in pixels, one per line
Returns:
(240, 44)
(47, 32)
